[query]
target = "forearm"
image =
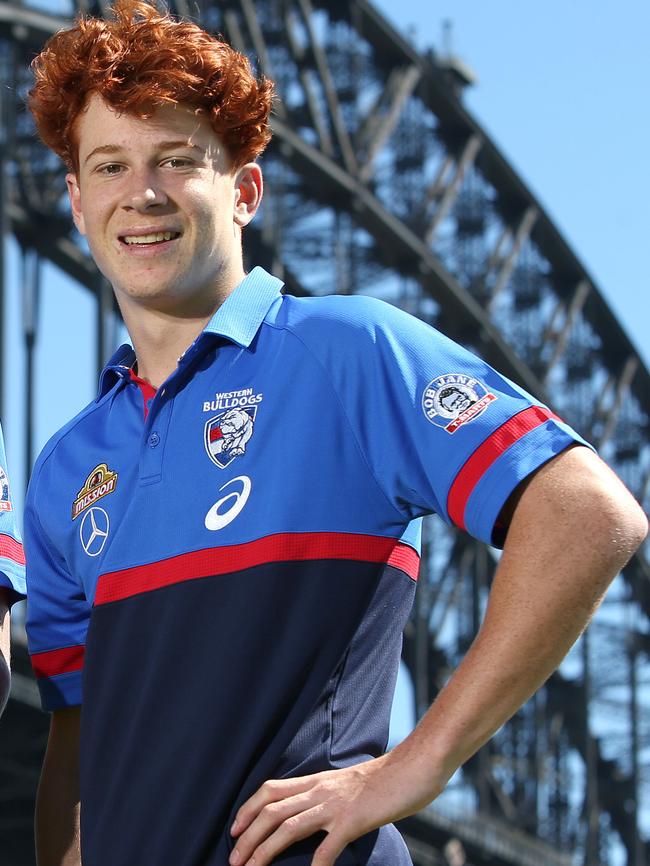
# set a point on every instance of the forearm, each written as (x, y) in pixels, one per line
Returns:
(57, 806)
(57, 824)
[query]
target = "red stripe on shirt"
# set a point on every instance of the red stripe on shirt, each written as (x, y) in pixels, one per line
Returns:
(487, 453)
(283, 547)
(58, 661)
(12, 549)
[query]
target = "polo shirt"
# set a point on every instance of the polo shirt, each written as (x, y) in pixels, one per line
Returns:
(221, 571)
(12, 559)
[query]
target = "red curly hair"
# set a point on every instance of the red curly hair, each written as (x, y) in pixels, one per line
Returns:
(142, 58)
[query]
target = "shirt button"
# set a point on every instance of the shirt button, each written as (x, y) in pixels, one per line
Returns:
(154, 439)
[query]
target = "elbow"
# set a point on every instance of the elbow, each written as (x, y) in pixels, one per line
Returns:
(615, 521)
(636, 523)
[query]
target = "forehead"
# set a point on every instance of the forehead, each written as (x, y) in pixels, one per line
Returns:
(100, 125)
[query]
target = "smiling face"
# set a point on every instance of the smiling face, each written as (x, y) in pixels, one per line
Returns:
(161, 207)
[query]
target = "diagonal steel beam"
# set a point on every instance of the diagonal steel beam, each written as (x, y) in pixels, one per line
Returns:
(508, 261)
(305, 74)
(380, 123)
(322, 65)
(622, 387)
(447, 198)
(575, 307)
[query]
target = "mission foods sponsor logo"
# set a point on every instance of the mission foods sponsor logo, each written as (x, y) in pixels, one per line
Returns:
(99, 483)
(5, 497)
(454, 399)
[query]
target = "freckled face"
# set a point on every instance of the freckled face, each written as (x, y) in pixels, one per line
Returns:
(160, 206)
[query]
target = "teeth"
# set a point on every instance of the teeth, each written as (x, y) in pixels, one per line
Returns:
(150, 239)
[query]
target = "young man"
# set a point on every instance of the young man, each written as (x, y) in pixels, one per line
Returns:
(226, 539)
(12, 572)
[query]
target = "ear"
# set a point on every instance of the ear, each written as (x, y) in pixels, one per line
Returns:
(74, 193)
(249, 188)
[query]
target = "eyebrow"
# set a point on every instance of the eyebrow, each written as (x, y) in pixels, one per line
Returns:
(111, 149)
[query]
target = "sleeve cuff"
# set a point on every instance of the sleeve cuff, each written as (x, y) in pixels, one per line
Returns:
(61, 691)
(520, 460)
(16, 586)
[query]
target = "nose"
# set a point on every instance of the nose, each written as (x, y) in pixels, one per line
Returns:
(144, 193)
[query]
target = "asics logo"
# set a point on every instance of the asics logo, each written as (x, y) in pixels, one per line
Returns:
(228, 507)
(93, 531)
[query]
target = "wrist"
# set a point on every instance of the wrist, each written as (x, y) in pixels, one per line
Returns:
(413, 779)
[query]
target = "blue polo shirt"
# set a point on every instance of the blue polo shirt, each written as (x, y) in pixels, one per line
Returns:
(222, 570)
(12, 559)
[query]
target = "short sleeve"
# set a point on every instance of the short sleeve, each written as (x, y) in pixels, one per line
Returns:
(12, 559)
(57, 615)
(441, 430)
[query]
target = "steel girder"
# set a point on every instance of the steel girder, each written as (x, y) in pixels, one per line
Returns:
(380, 181)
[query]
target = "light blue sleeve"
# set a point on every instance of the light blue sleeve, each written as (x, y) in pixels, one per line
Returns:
(12, 559)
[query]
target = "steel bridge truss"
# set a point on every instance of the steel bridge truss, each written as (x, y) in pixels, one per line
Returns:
(380, 182)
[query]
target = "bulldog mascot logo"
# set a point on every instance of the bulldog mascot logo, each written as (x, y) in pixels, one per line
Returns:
(227, 434)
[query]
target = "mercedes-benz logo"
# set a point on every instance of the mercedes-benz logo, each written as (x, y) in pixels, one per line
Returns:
(93, 531)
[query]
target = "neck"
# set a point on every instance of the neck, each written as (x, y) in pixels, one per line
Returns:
(159, 344)
(161, 335)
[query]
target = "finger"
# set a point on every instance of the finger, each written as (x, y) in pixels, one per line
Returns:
(268, 819)
(269, 792)
(292, 830)
(328, 850)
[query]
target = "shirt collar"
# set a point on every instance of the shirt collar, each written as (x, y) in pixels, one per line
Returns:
(118, 367)
(238, 319)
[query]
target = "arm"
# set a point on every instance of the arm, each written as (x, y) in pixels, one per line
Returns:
(5, 676)
(57, 801)
(573, 528)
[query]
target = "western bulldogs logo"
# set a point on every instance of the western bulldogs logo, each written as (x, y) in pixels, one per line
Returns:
(454, 399)
(5, 498)
(228, 434)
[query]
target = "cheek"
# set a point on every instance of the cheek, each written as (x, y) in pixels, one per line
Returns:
(91, 212)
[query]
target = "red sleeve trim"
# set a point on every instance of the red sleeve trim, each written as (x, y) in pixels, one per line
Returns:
(283, 547)
(486, 454)
(12, 549)
(58, 661)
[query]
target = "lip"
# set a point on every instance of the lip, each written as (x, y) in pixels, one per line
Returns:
(151, 248)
